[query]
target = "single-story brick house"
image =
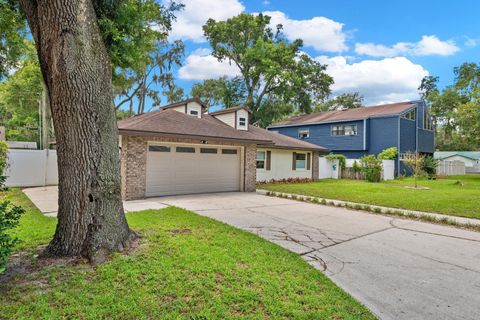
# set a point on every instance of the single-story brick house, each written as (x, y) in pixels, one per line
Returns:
(183, 149)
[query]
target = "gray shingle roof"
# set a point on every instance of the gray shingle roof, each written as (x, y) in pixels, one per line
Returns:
(350, 114)
(173, 122)
(170, 122)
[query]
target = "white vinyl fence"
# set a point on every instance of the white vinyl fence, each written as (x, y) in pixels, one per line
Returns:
(451, 168)
(31, 168)
(330, 169)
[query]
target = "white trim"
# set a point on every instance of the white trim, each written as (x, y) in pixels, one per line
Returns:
(399, 147)
(364, 134)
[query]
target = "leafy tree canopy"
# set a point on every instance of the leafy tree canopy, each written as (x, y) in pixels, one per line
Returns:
(19, 95)
(455, 109)
(135, 33)
(343, 101)
(220, 92)
(270, 66)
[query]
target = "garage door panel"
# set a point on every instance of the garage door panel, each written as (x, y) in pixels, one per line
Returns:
(170, 173)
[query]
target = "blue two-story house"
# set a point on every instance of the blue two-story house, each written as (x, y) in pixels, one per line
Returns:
(367, 130)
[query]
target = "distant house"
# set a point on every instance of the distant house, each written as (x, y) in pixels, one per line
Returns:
(368, 130)
(470, 158)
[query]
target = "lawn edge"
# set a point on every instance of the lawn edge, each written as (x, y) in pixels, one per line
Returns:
(435, 218)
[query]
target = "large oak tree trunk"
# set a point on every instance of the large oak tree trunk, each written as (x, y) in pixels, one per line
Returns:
(77, 72)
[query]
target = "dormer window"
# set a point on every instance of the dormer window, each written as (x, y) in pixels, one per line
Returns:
(411, 115)
(303, 134)
(194, 113)
(242, 122)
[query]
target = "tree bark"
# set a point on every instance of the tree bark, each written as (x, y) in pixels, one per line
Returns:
(77, 72)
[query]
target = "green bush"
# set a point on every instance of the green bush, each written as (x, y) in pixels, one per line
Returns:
(429, 166)
(355, 167)
(340, 157)
(9, 218)
(371, 167)
(388, 154)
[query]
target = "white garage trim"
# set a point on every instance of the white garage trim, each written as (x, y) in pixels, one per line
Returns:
(172, 172)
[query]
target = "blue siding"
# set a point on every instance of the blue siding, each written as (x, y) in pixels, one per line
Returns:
(380, 133)
(426, 141)
(321, 134)
(383, 134)
(408, 138)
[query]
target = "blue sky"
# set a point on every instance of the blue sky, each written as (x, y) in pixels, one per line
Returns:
(380, 48)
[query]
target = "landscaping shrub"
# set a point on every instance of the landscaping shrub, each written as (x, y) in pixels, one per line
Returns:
(9, 214)
(388, 154)
(288, 180)
(9, 218)
(342, 160)
(371, 167)
(429, 166)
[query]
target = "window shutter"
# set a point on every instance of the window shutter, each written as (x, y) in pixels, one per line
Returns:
(308, 161)
(294, 161)
(269, 160)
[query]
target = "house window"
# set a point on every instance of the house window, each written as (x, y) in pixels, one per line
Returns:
(344, 130)
(303, 134)
(260, 159)
(300, 160)
(194, 112)
(158, 149)
(242, 122)
(229, 151)
(185, 150)
(427, 121)
(208, 150)
(411, 115)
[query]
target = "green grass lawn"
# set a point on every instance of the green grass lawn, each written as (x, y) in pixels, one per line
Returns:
(186, 266)
(444, 196)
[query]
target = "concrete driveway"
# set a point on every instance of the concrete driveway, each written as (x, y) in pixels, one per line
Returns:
(400, 269)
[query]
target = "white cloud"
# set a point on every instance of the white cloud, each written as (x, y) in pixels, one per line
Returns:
(200, 65)
(196, 12)
(379, 81)
(428, 45)
(321, 33)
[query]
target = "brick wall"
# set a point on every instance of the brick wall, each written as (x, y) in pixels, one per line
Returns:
(250, 168)
(134, 163)
(315, 169)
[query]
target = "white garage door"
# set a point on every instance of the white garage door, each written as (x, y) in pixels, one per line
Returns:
(185, 169)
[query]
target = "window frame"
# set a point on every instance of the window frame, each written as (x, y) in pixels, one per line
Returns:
(159, 148)
(427, 121)
(230, 151)
(181, 149)
(297, 161)
(407, 117)
(340, 129)
(302, 132)
(242, 121)
(204, 150)
(264, 160)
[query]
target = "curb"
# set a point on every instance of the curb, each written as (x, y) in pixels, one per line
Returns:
(437, 218)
